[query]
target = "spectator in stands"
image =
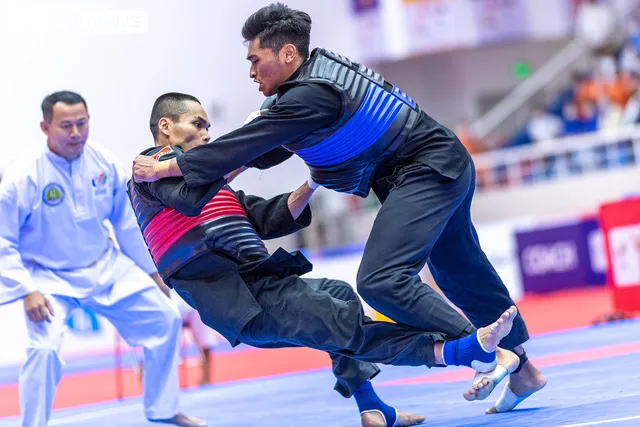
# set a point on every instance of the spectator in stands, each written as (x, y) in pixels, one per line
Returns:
(610, 97)
(570, 118)
(572, 123)
(544, 126)
(617, 88)
(629, 57)
(620, 89)
(578, 79)
(631, 112)
(586, 90)
(610, 114)
(589, 117)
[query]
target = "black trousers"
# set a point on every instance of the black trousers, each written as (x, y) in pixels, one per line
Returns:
(325, 315)
(425, 217)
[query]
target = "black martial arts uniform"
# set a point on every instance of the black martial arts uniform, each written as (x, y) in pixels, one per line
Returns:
(207, 244)
(356, 131)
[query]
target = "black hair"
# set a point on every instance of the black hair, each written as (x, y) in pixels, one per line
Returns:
(170, 105)
(276, 25)
(65, 96)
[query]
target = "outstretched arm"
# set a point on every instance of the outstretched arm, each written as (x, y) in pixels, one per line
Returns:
(297, 114)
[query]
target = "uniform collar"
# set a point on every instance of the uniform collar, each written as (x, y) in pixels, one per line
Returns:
(296, 73)
(59, 160)
(283, 85)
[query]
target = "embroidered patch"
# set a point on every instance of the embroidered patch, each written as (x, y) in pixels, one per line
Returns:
(53, 194)
(100, 180)
(165, 150)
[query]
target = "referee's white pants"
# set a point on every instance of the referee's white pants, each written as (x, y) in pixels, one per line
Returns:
(146, 318)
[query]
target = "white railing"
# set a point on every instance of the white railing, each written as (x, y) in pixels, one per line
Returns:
(509, 167)
(545, 160)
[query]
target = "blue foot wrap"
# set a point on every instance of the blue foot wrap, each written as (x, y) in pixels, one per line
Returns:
(368, 401)
(468, 352)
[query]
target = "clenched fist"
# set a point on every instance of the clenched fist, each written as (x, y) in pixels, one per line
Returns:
(144, 169)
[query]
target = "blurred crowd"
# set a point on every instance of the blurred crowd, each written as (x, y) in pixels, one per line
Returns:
(607, 95)
(604, 96)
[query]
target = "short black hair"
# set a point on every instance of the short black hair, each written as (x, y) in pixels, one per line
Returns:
(276, 25)
(65, 96)
(170, 105)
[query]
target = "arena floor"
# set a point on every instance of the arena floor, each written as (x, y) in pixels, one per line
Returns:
(592, 372)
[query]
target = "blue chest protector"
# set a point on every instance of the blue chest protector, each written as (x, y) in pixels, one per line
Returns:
(376, 118)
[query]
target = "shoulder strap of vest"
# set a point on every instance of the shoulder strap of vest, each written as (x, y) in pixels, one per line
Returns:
(358, 68)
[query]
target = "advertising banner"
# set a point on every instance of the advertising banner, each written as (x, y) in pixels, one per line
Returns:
(621, 228)
(561, 257)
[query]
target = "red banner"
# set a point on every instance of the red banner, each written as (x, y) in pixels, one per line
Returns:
(621, 228)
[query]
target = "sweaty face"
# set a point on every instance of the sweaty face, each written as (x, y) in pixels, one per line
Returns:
(68, 130)
(268, 69)
(191, 129)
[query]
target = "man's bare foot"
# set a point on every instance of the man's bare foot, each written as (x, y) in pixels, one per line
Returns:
(484, 383)
(182, 420)
(523, 384)
(490, 336)
(375, 419)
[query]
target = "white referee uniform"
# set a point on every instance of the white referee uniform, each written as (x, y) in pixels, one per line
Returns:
(53, 239)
